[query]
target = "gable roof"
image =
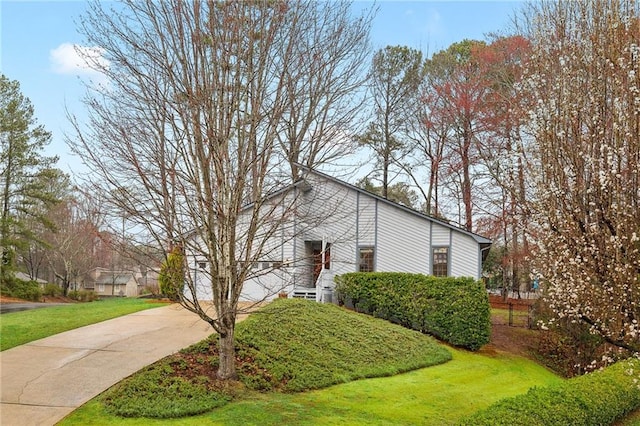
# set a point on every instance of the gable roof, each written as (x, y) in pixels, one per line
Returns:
(483, 241)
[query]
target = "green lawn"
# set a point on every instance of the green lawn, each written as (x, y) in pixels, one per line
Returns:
(314, 345)
(18, 328)
(438, 395)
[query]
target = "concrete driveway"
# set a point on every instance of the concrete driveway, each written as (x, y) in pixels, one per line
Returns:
(45, 380)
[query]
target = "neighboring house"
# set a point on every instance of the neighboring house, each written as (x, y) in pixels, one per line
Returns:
(106, 282)
(339, 228)
(25, 277)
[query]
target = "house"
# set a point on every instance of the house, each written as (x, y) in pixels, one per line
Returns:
(107, 282)
(25, 277)
(331, 227)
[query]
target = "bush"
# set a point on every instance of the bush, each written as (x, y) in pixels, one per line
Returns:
(172, 272)
(27, 290)
(52, 290)
(455, 310)
(598, 398)
(569, 347)
(83, 295)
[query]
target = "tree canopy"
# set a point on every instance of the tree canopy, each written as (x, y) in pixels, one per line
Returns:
(26, 174)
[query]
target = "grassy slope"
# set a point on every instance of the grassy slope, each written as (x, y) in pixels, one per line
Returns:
(311, 345)
(437, 395)
(18, 328)
(293, 345)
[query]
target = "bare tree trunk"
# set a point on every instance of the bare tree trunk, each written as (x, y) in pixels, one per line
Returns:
(465, 164)
(227, 368)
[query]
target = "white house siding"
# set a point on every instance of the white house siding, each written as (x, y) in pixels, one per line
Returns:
(403, 241)
(366, 219)
(334, 208)
(441, 235)
(464, 256)
(332, 212)
(200, 279)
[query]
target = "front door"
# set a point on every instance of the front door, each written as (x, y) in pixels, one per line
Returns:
(317, 264)
(317, 259)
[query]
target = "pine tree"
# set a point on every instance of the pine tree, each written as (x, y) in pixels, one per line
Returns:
(24, 173)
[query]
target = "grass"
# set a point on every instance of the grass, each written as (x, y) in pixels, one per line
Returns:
(310, 345)
(18, 328)
(289, 345)
(439, 395)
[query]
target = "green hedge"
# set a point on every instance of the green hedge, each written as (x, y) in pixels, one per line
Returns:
(455, 310)
(598, 398)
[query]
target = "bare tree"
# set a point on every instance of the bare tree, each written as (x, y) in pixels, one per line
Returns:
(396, 73)
(501, 155)
(324, 85)
(455, 74)
(188, 137)
(583, 85)
(429, 134)
(71, 250)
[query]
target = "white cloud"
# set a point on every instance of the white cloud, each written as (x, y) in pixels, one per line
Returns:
(79, 60)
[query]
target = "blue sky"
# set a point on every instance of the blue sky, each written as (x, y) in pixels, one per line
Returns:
(37, 38)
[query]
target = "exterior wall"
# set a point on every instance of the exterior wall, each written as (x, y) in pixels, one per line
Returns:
(328, 211)
(464, 256)
(441, 235)
(403, 241)
(366, 220)
(330, 215)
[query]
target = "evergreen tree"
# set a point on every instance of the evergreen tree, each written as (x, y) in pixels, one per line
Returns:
(24, 174)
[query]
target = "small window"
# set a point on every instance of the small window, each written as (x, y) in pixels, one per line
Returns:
(366, 257)
(202, 265)
(441, 262)
(277, 265)
(265, 265)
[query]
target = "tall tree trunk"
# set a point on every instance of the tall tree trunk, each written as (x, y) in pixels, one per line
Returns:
(466, 178)
(227, 367)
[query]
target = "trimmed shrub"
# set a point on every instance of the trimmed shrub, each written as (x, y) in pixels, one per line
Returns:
(598, 398)
(52, 290)
(455, 310)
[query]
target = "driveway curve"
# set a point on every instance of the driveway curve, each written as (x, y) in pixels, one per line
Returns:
(45, 380)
